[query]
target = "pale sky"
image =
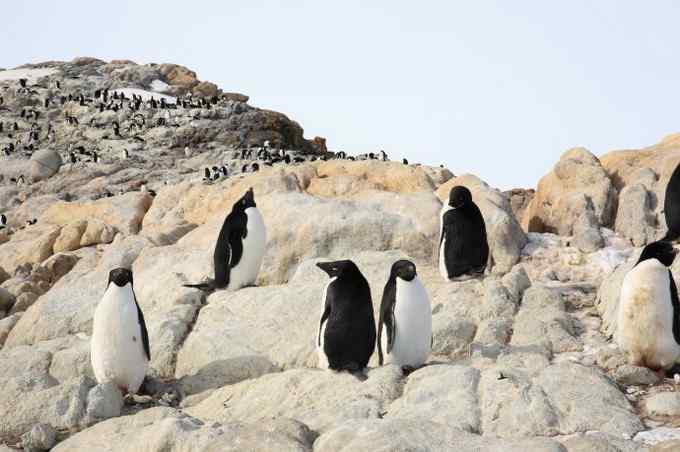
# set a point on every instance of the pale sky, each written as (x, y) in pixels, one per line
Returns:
(496, 88)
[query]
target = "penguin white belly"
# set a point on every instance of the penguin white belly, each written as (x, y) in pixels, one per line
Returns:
(413, 319)
(117, 351)
(442, 241)
(323, 359)
(254, 245)
(645, 317)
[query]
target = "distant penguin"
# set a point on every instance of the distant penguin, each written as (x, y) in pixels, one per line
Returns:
(187, 152)
(224, 171)
(207, 177)
(3, 221)
(255, 167)
(671, 206)
(463, 247)
(124, 154)
(648, 320)
(346, 336)
(405, 323)
(120, 350)
(240, 247)
(404, 161)
(383, 155)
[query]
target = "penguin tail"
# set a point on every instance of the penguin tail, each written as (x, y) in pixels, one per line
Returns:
(208, 286)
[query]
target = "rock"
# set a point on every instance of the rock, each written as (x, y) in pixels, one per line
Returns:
(451, 337)
(635, 218)
(7, 300)
(178, 76)
(59, 265)
(4, 276)
(40, 438)
(205, 89)
(658, 435)
(542, 319)
(125, 212)
(62, 406)
(578, 189)
(45, 164)
(29, 246)
(666, 446)
(520, 199)
(517, 282)
(635, 376)
(69, 237)
(6, 326)
(454, 405)
(235, 97)
(23, 302)
(167, 430)
(663, 404)
(608, 295)
(400, 434)
(318, 398)
(601, 442)
(504, 234)
(104, 401)
(97, 232)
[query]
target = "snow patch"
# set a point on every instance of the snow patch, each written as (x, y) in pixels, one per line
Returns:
(146, 95)
(159, 86)
(31, 74)
(657, 435)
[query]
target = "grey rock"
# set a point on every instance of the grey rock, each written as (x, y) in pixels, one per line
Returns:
(635, 218)
(45, 164)
(633, 375)
(104, 401)
(7, 300)
(663, 404)
(41, 437)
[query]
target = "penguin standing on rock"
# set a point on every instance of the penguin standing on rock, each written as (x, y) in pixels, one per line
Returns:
(671, 206)
(405, 324)
(346, 336)
(463, 248)
(240, 247)
(648, 320)
(120, 350)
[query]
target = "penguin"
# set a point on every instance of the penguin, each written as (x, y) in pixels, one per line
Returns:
(383, 155)
(346, 335)
(206, 175)
(3, 221)
(463, 247)
(405, 322)
(119, 350)
(404, 161)
(187, 152)
(648, 317)
(240, 247)
(255, 167)
(224, 171)
(124, 154)
(671, 206)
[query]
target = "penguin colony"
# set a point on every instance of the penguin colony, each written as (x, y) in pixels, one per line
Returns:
(648, 321)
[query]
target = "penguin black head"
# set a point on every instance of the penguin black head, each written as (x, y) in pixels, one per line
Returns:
(120, 277)
(404, 269)
(459, 196)
(661, 251)
(246, 201)
(338, 269)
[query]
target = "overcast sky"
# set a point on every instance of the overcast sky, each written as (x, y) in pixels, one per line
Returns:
(496, 88)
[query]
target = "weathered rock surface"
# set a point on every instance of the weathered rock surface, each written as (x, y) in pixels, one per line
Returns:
(45, 164)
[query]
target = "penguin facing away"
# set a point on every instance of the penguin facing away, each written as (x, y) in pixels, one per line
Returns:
(346, 335)
(120, 351)
(671, 206)
(405, 323)
(240, 247)
(648, 318)
(463, 246)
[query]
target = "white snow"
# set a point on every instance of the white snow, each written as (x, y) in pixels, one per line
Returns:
(146, 95)
(31, 74)
(657, 435)
(159, 86)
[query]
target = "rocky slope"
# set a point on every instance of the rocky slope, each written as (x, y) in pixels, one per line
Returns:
(522, 358)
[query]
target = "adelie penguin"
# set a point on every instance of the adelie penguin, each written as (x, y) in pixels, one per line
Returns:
(648, 318)
(405, 323)
(120, 351)
(463, 247)
(346, 335)
(240, 247)
(671, 206)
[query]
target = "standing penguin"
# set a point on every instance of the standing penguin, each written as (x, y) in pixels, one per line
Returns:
(240, 247)
(346, 336)
(671, 206)
(648, 320)
(120, 343)
(463, 249)
(406, 316)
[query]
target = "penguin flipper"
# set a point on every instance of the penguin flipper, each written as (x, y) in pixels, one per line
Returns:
(387, 318)
(145, 333)
(208, 286)
(676, 308)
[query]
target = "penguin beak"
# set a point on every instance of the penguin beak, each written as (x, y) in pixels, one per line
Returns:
(327, 267)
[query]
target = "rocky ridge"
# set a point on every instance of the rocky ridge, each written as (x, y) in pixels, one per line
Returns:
(522, 358)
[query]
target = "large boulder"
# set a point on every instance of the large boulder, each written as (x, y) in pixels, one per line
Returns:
(504, 234)
(577, 193)
(44, 164)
